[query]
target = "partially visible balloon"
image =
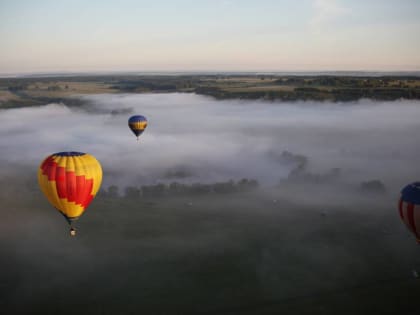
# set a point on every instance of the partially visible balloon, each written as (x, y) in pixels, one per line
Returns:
(409, 208)
(70, 181)
(137, 124)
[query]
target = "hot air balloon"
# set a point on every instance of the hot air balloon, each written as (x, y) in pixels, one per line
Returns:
(70, 181)
(137, 124)
(409, 208)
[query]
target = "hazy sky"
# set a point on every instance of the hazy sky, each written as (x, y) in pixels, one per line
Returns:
(187, 35)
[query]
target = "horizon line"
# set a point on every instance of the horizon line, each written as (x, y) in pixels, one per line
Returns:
(69, 73)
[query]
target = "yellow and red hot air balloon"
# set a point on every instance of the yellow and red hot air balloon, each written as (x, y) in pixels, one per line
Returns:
(70, 181)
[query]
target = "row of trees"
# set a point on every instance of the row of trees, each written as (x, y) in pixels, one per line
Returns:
(343, 81)
(335, 94)
(179, 189)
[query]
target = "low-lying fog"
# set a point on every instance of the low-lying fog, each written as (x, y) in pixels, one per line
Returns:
(320, 235)
(205, 140)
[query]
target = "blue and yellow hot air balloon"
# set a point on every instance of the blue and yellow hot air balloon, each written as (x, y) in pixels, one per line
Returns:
(137, 124)
(409, 208)
(70, 181)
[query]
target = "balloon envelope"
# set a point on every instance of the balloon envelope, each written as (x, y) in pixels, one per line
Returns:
(137, 124)
(409, 208)
(70, 181)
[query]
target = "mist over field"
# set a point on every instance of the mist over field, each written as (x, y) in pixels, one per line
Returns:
(208, 140)
(314, 237)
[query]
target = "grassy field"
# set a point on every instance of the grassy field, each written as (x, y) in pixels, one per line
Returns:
(236, 253)
(65, 89)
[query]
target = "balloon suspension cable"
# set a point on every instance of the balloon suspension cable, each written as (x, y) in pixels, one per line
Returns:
(137, 138)
(72, 231)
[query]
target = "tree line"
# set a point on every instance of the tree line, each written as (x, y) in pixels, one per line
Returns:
(179, 189)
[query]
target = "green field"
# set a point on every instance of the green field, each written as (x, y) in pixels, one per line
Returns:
(253, 252)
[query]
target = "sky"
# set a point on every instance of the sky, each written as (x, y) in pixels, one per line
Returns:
(217, 35)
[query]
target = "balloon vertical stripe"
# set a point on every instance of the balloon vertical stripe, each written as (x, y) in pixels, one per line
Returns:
(400, 209)
(410, 218)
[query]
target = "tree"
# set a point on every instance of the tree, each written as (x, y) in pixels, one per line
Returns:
(373, 186)
(113, 191)
(132, 192)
